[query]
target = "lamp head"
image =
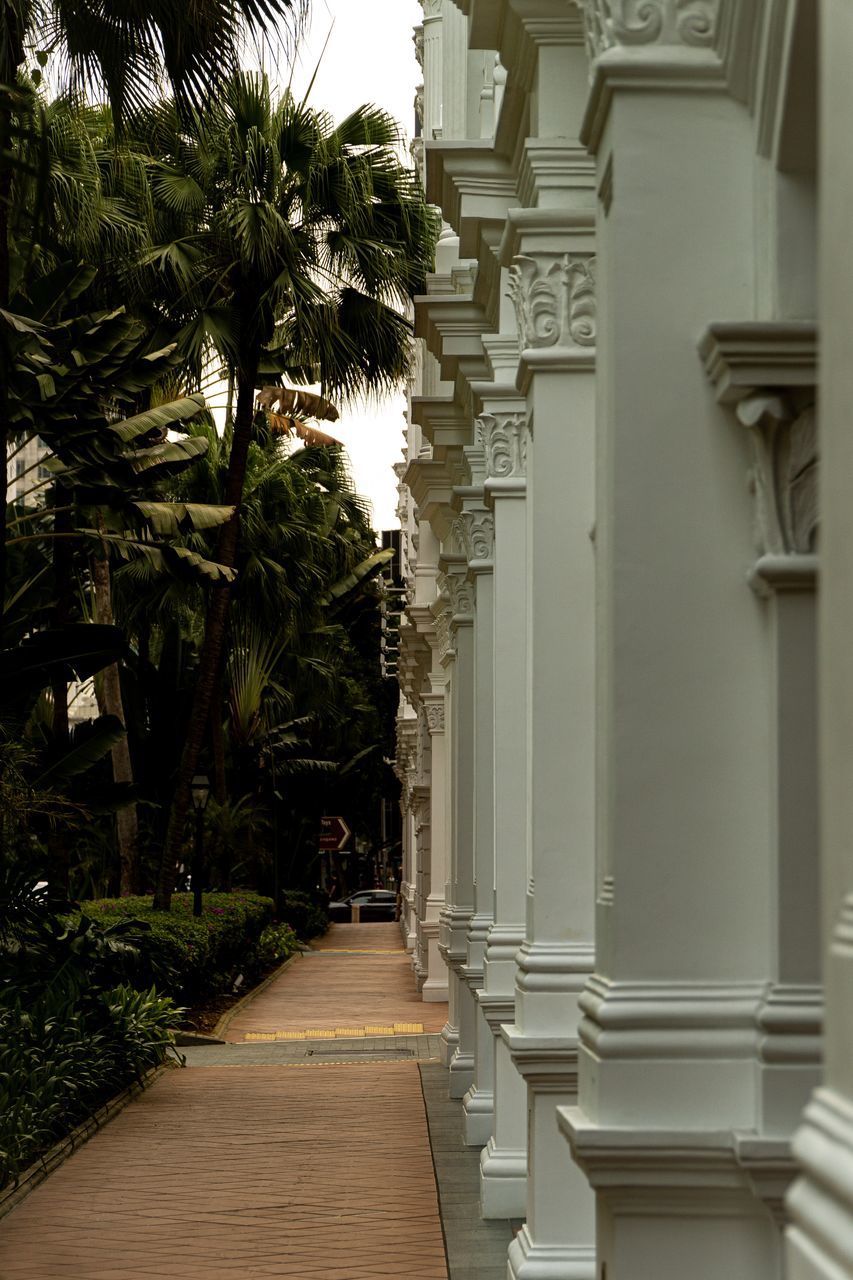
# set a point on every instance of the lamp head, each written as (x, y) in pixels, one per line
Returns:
(200, 788)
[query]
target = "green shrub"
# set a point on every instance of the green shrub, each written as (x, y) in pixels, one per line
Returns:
(278, 942)
(191, 957)
(306, 918)
(61, 1059)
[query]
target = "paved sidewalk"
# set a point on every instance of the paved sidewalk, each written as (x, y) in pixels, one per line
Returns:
(223, 1173)
(288, 1159)
(356, 980)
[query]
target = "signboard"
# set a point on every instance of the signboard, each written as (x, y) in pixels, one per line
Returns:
(334, 834)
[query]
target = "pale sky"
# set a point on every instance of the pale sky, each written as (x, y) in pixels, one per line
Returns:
(369, 58)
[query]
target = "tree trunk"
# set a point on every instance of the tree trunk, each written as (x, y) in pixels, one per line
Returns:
(220, 782)
(108, 686)
(214, 639)
(63, 569)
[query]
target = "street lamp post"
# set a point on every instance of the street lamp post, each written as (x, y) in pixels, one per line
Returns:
(200, 795)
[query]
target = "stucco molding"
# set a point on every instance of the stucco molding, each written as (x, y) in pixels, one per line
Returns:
(767, 372)
(630, 23)
(554, 299)
(504, 440)
(478, 531)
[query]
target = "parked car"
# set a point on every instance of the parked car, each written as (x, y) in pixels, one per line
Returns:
(373, 904)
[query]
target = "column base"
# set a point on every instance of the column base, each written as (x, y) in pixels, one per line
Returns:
(449, 1044)
(461, 1073)
(434, 991)
(478, 1116)
(558, 1239)
(503, 1182)
(530, 1261)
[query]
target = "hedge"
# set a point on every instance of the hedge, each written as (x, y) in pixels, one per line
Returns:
(305, 917)
(191, 957)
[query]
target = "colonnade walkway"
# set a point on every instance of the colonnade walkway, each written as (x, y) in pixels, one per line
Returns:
(300, 1148)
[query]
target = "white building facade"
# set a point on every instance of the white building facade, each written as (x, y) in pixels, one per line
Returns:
(622, 866)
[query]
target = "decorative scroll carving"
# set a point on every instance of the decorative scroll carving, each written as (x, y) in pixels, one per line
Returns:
(461, 596)
(644, 22)
(435, 716)
(554, 300)
(479, 535)
(784, 476)
(442, 632)
(504, 440)
(418, 41)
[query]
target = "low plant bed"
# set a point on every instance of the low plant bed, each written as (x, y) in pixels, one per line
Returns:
(278, 943)
(197, 958)
(68, 1054)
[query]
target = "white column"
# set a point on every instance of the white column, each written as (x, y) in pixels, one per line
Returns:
(478, 1106)
(558, 1237)
(686, 850)
(503, 1166)
(432, 66)
(435, 981)
(820, 1240)
(447, 653)
(460, 898)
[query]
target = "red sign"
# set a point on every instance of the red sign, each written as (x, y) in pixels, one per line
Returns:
(334, 834)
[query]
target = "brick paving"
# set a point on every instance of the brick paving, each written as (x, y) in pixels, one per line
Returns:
(357, 979)
(278, 1167)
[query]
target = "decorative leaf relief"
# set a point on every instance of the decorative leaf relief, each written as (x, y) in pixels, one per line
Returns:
(580, 282)
(697, 24)
(479, 529)
(784, 476)
(442, 632)
(435, 716)
(504, 441)
(461, 596)
(638, 21)
(554, 300)
(643, 22)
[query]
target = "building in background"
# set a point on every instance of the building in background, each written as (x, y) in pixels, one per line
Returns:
(607, 739)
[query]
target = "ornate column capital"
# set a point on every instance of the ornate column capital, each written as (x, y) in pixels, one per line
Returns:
(434, 712)
(461, 597)
(504, 440)
(478, 532)
(554, 299)
(629, 23)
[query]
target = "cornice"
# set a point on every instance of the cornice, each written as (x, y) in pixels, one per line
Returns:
(767, 371)
(549, 229)
(642, 70)
(472, 184)
(742, 356)
(431, 484)
(452, 326)
(554, 360)
(443, 423)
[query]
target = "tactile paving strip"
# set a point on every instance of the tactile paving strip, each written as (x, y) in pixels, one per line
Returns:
(339, 1033)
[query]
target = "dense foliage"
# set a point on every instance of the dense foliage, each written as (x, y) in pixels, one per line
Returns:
(191, 957)
(215, 587)
(76, 1026)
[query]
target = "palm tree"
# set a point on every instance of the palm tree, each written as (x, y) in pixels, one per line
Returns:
(126, 49)
(296, 245)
